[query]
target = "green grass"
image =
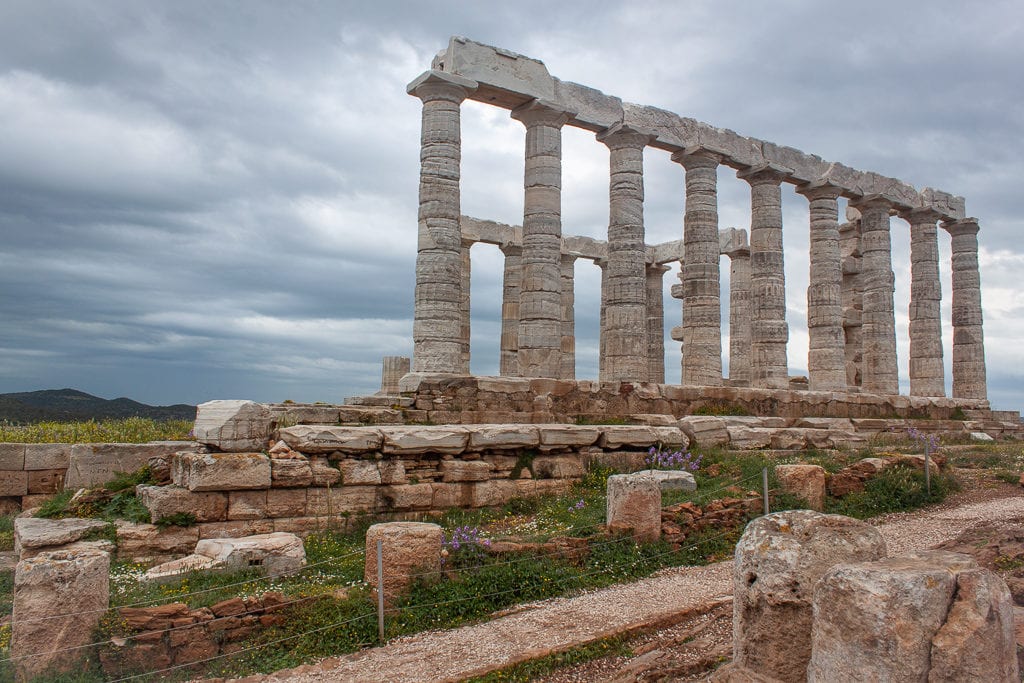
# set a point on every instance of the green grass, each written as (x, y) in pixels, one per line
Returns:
(126, 430)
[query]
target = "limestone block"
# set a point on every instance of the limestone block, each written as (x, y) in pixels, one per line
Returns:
(150, 543)
(276, 553)
(94, 464)
(462, 470)
(233, 426)
(47, 456)
(33, 534)
(323, 472)
(12, 456)
(705, 431)
(165, 501)
(568, 436)
(408, 496)
(247, 505)
(59, 598)
(13, 483)
(557, 467)
(419, 440)
(407, 549)
(326, 439)
(221, 471)
(615, 437)
(634, 506)
(290, 473)
(931, 615)
(286, 502)
(804, 481)
(497, 437)
(359, 472)
(749, 438)
(778, 560)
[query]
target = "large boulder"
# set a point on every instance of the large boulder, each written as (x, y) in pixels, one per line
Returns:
(634, 505)
(221, 471)
(928, 616)
(778, 560)
(408, 549)
(59, 597)
(234, 426)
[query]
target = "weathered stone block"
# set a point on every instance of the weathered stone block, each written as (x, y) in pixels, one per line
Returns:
(634, 506)
(407, 549)
(326, 439)
(234, 426)
(58, 600)
(221, 471)
(462, 470)
(166, 501)
(804, 481)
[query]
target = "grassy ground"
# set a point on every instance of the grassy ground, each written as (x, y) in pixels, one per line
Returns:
(127, 430)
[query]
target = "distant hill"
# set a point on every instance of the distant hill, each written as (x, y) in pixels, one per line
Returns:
(69, 405)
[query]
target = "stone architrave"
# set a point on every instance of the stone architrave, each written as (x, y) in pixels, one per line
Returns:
(769, 332)
(465, 325)
(438, 295)
(634, 505)
(927, 374)
(826, 355)
(393, 369)
(540, 299)
(739, 316)
(512, 282)
(969, 375)
(879, 372)
(779, 559)
(656, 323)
(625, 345)
(408, 549)
(59, 597)
(568, 271)
(700, 275)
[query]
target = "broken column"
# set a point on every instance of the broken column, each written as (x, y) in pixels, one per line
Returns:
(511, 285)
(739, 316)
(879, 372)
(702, 314)
(438, 296)
(625, 346)
(969, 378)
(769, 334)
(540, 301)
(656, 323)
(392, 370)
(59, 597)
(927, 374)
(826, 355)
(568, 270)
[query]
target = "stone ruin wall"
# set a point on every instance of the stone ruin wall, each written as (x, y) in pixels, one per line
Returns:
(851, 321)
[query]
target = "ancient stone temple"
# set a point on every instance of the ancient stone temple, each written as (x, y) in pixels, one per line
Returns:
(850, 298)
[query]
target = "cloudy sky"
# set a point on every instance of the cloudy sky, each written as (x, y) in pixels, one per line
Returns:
(210, 199)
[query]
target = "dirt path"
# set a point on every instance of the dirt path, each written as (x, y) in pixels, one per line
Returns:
(671, 602)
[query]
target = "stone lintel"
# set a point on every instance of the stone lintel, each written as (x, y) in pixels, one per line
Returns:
(964, 226)
(440, 78)
(766, 172)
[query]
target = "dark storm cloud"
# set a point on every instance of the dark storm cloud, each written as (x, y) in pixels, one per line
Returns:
(206, 200)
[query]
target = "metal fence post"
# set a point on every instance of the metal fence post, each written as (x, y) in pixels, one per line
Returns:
(380, 589)
(764, 485)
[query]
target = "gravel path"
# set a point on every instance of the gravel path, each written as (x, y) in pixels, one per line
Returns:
(554, 625)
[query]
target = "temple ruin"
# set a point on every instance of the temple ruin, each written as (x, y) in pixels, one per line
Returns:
(850, 298)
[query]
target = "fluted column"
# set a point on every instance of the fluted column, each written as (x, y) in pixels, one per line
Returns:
(656, 322)
(568, 270)
(626, 293)
(438, 294)
(880, 373)
(739, 317)
(702, 313)
(969, 377)
(465, 327)
(511, 284)
(769, 330)
(927, 374)
(540, 303)
(826, 354)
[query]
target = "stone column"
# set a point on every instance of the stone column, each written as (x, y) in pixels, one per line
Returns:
(568, 268)
(465, 327)
(511, 285)
(626, 293)
(769, 331)
(826, 355)
(880, 374)
(438, 294)
(969, 377)
(540, 302)
(392, 370)
(656, 323)
(927, 374)
(739, 317)
(702, 314)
